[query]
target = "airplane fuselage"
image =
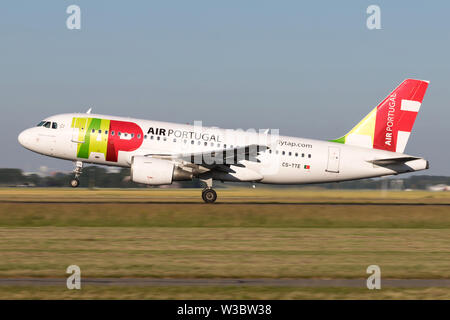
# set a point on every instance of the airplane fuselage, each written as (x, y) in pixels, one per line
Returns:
(114, 141)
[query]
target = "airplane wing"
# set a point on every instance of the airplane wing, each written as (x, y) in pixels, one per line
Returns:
(219, 159)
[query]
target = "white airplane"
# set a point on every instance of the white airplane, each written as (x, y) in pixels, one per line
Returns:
(159, 153)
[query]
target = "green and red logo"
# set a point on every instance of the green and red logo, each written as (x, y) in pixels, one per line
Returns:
(106, 137)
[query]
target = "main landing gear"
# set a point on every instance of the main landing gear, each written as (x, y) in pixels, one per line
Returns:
(208, 194)
(77, 172)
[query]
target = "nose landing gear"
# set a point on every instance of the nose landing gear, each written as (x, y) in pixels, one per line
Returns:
(75, 182)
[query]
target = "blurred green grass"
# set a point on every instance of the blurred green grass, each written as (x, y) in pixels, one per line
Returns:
(224, 252)
(226, 215)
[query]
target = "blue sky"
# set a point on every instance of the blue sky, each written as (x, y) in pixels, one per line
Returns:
(311, 69)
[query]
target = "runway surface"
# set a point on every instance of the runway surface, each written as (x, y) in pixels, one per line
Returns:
(145, 282)
(94, 202)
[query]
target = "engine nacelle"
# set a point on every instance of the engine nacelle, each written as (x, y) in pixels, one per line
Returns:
(154, 171)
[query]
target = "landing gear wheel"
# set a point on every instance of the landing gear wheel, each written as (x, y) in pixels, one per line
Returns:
(209, 195)
(77, 172)
(74, 183)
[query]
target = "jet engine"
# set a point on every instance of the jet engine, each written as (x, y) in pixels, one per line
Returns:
(154, 171)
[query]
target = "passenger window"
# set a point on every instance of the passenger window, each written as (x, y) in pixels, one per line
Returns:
(303, 155)
(151, 137)
(165, 139)
(225, 146)
(112, 132)
(283, 153)
(174, 140)
(93, 130)
(106, 131)
(290, 153)
(139, 136)
(54, 125)
(309, 156)
(132, 135)
(157, 138)
(296, 154)
(192, 141)
(206, 143)
(126, 134)
(119, 134)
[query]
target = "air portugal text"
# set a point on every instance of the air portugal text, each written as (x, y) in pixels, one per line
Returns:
(184, 134)
(390, 119)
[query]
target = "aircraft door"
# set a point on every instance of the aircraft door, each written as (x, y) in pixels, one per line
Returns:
(77, 137)
(79, 131)
(333, 159)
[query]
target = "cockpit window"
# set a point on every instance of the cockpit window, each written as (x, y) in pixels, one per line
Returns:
(54, 125)
(47, 124)
(40, 124)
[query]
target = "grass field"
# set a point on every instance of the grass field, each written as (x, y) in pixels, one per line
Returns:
(222, 293)
(261, 233)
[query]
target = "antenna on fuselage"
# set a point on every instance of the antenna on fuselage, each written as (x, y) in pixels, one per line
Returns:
(89, 111)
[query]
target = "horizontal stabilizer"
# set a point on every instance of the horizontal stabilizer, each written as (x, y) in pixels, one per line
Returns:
(388, 161)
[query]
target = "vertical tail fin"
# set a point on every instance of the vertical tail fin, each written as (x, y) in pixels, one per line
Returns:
(389, 125)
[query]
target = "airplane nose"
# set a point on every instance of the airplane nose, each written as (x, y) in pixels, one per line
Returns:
(23, 138)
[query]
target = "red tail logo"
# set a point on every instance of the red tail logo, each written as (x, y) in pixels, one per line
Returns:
(389, 125)
(396, 115)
